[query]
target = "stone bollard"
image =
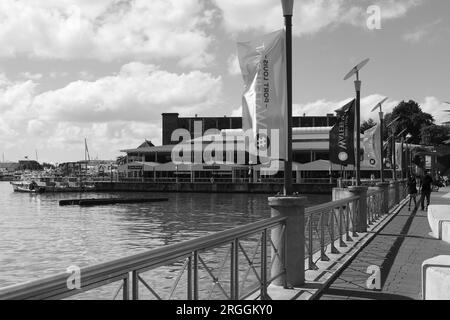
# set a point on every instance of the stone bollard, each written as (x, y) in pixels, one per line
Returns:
(361, 222)
(396, 185)
(293, 251)
(384, 187)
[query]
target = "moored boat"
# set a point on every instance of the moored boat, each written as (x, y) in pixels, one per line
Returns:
(27, 187)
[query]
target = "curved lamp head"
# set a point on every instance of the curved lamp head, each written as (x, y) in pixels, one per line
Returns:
(356, 69)
(379, 104)
(288, 7)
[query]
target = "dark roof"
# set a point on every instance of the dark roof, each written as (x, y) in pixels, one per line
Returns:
(146, 144)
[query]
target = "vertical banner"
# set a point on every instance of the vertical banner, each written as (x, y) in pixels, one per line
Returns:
(342, 137)
(264, 102)
(371, 147)
(398, 156)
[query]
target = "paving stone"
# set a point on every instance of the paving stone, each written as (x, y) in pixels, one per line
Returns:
(399, 250)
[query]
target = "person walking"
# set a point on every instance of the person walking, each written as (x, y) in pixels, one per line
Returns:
(412, 191)
(427, 181)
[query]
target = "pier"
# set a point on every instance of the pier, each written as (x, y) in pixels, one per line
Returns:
(335, 243)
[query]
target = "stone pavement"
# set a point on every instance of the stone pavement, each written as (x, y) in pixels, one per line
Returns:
(399, 250)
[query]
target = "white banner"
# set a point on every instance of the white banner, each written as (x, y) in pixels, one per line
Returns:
(398, 156)
(264, 102)
(371, 146)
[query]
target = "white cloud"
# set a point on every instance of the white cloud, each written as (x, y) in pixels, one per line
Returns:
(139, 92)
(421, 33)
(322, 107)
(106, 30)
(310, 16)
(114, 112)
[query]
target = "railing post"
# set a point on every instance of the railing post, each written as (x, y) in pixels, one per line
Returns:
(134, 285)
(361, 220)
(293, 250)
(384, 188)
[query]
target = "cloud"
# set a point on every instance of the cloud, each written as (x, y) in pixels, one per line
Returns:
(139, 92)
(310, 16)
(421, 33)
(114, 112)
(106, 30)
(322, 107)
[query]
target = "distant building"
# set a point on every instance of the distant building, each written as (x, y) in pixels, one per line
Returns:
(172, 121)
(9, 166)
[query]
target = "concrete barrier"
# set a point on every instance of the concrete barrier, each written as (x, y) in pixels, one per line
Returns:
(436, 278)
(439, 220)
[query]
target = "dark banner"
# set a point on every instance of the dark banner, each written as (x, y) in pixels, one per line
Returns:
(342, 149)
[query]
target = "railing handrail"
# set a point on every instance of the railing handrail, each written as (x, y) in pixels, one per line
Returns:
(330, 205)
(117, 269)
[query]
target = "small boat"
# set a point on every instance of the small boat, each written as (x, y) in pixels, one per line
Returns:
(27, 187)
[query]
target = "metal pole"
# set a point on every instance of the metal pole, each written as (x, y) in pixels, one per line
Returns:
(394, 158)
(288, 163)
(403, 159)
(381, 147)
(358, 129)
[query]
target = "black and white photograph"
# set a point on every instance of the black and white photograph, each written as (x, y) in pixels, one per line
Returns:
(222, 157)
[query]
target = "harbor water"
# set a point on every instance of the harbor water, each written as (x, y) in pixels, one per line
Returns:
(38, 238)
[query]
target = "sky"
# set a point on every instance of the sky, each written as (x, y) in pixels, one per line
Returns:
(105, 70)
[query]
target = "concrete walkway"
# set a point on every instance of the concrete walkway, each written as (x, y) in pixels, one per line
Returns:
(399, 250)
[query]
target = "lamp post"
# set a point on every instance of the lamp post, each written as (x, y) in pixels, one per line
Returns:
(288, 8)
(401, 134)
(394, 162)
(379, 105)
(355, 71)
(408, 154)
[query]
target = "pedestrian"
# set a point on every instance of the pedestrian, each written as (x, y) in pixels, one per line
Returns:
(412, 191)
(427, 181)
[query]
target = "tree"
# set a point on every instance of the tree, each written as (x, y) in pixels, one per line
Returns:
(368, 124)
(434, 135)
(411, 117)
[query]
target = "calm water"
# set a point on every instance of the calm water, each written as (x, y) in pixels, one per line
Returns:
(39, 238)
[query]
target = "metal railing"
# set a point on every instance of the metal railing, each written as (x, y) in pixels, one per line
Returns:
(326, 223)
(375, 199)
(242, 271)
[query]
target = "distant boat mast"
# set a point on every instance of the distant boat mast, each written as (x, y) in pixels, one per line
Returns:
(87, 157)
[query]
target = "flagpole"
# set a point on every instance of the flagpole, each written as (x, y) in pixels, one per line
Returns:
(288, 6)
(382, 146)
(355, 71)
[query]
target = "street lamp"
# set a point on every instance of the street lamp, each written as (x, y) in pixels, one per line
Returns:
(379, 105)
(288, 8)
(394, 161)
(401, 134)
(408, 153)
(355, 71)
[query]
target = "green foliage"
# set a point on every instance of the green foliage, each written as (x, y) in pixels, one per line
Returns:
(434, 135)
(411, 118)
(368, 124)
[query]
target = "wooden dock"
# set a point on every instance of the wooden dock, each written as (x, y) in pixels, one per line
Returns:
(107, 201)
